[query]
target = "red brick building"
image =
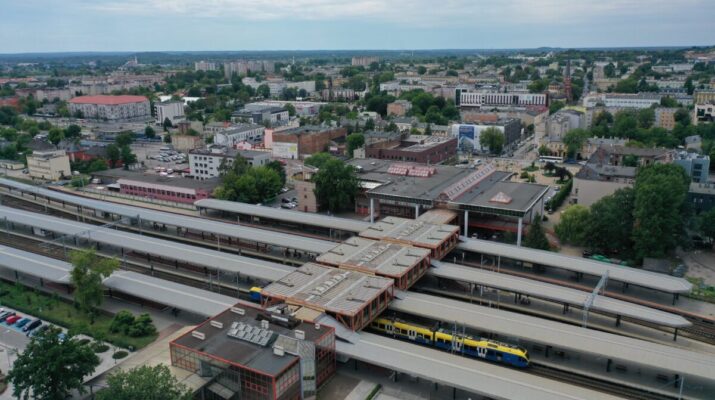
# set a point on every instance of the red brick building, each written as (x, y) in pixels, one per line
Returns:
(310, 139)
(415, 148)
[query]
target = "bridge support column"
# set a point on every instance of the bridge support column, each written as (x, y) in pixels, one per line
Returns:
(675, 334)
(466, 224)
(372, 210)
(518, 232)
(675, 297)
(618, 320)
(417, 210)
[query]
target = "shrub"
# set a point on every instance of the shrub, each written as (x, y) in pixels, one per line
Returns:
(98, 347)
(121, 322)
(83, 341)
(119, 354)
(559, 198)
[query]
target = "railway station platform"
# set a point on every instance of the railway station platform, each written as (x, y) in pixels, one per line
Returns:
(553, 338)
(481, 278)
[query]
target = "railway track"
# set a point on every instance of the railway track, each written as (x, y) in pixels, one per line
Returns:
(703, 329)
(201, 281)
(596, 384)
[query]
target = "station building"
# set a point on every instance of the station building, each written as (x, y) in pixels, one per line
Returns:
(479, 198)
(250, 353)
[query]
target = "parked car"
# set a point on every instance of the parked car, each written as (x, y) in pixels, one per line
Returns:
(37, 331)
(22, 322)
(7, 315)
(285, 200)
(286, 205)
(32, 325)
(13, 319)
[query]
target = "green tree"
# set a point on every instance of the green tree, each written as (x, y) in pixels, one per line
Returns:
(113, 155)
(89, 270)
(336, 185)
(128, 158)
(51, 367)
(290, 108)
(73, 131)
(556, 105)
(421, 70)
(682, 116)
(535, 237)
(646, 117)
(55, 135)
(610, 225)
(660, 193)
(667, 101)
(255, 185)
(145, 382)
(574, 141)
(264, 91)
(609, 70)
(493, 139)
(706, 223)
(317, 160)
(149, 132)
(573, 225)
(124, 139)
(167, 124)
(278, 167)
(97, 165)
(354, 141)
(544, 150)
(625, 124)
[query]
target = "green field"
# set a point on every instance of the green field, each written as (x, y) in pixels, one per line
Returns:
(58, 311)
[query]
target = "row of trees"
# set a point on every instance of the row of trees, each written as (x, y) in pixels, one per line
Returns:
(646, 221)
(247, 184)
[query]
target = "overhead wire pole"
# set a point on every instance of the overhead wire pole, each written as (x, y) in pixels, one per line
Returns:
(600, 287)
(76, 235)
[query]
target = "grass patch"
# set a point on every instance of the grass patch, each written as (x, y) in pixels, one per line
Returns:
(58, 311)
(530, 168)
(701, 291)
(119, 355)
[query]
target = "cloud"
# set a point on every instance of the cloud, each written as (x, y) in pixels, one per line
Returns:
(404, 12)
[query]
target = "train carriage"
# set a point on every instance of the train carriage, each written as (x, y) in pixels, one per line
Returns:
(477, 348)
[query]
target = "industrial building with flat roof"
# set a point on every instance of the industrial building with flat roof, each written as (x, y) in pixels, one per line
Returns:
(250, 353)
(415, 148)
(405, 264)
(353, 298)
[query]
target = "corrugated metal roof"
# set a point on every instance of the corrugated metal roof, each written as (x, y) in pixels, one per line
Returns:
(188, 298)
(382, 258)
(410, 231)
(463, 373)
(556, 293)
(293, 216)
(326, 288)
(560, 335)
(316, 246)
(255, 268)
(34, 264)
(618, 273)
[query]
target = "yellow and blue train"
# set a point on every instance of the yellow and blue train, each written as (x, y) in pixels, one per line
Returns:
(478, 348)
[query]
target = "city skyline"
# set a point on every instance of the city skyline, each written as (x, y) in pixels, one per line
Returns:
(227, 25)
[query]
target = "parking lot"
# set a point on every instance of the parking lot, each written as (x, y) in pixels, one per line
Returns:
(155, 155)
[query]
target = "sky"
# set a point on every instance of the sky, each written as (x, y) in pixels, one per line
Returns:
(216, 25)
